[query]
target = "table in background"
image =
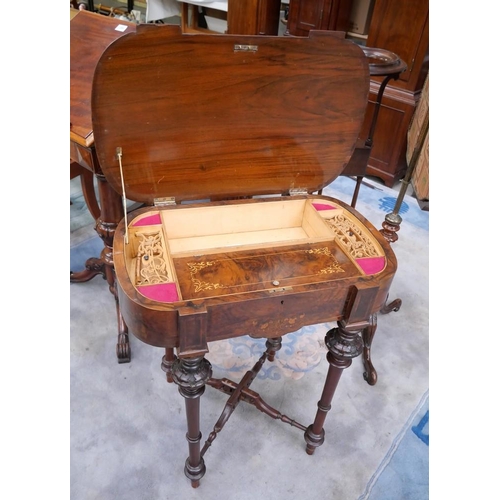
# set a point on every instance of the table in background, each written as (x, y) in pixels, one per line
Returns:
(90, 35)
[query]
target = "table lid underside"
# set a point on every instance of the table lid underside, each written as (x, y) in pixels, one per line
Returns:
(203, 116)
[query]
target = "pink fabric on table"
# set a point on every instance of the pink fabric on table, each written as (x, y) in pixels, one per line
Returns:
(323, 206)
(151, 220)
(371, 265)
(163, 292)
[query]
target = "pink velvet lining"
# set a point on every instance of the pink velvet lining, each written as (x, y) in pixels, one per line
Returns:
(164, 292)
(148, 221)
(323, 206)
(371, 265)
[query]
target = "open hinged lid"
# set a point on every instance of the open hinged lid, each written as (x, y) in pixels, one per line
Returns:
(206, 116)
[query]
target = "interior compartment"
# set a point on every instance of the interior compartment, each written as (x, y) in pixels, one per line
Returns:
(211, 229)
(147, 256)
(241, 235)
(158, 237)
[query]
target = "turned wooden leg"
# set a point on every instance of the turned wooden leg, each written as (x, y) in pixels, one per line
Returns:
(93, 267)
(370, 374)
(191, 374)
(344, 343)
(167, 363)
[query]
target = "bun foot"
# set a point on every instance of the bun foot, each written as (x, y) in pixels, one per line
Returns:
(195, 473)
(313, 440)
(93, 267)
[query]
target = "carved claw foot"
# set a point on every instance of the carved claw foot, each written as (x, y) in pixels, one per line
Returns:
(395, 306)
(370, 374)
(123, 345)
(93, 267)
(123, 349)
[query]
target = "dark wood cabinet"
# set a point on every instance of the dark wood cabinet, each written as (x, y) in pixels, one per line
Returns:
(253, 17)
(306, 15)
(243, 17)
(402, 28)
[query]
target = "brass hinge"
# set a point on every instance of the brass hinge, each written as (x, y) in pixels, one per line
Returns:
(163, 202)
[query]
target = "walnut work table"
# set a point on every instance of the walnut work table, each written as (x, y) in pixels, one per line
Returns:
(225, 144)
(90, 34)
